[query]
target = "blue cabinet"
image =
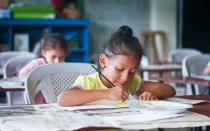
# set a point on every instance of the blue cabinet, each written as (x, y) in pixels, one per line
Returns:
(70, 28)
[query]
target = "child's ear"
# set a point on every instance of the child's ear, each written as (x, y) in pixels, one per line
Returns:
(43, 52)
(102, 60)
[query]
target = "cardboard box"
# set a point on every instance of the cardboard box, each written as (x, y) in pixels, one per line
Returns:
(4, 4)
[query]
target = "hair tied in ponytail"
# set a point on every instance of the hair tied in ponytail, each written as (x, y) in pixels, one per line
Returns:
(125, 32)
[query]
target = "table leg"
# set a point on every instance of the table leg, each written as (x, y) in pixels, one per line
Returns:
(207, 91)
(207, 128)
(160, 129)
(193, 89)
(199, 128)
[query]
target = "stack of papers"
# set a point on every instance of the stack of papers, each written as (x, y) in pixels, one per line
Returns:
(12, 83)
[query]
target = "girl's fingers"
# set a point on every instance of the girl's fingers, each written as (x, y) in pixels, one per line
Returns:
(147, 96)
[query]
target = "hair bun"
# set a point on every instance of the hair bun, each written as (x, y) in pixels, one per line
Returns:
(125, 30)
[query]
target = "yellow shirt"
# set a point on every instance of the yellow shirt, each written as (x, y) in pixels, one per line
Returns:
(93, 82)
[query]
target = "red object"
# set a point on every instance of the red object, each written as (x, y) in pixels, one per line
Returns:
(57, 5)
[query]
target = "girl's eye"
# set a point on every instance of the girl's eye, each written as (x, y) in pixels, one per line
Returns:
(132, 73)
(119, 69)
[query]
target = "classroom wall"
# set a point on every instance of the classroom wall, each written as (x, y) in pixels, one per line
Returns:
(163, 15)
(108, 15)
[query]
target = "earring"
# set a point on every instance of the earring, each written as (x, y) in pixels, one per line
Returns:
(103, 66)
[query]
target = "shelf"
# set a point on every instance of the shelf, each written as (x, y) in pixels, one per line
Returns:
(52, 22)
(70, 28)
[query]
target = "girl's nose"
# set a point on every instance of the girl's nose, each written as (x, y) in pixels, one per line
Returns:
(57, 60)
(124, 76)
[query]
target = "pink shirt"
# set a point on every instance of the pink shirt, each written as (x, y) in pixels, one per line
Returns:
(39, 99)
(31, 65)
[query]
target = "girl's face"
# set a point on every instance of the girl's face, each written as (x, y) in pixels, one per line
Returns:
(119, 70)
(54, 55)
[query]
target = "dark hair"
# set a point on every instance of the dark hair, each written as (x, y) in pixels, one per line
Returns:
(55, 40)
(122, 42)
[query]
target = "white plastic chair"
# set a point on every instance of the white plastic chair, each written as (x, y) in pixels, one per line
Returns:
(14, 65)
(52, 79)
(177, 55)
(4, 56)
(194, 66)
(145, 63)
(11, 69)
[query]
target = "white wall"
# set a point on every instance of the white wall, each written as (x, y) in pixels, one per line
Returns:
(163, 16)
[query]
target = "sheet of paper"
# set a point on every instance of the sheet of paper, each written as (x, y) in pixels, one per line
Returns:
(87, 106)
(11, 87)
(12, 83)
(185, 101)
(138, 118)
(99, 104)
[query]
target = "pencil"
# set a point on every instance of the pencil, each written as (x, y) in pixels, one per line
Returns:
(103, 76)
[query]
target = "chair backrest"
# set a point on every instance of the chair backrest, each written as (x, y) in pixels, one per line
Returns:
(177, 55)
(145, 63)
(4, 56)
(52, 79)
(194, 65)
(13, 65)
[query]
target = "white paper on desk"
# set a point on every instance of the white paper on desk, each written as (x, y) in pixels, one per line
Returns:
(86, 106)
(98, 104)
(138, 118)
(185, 101)
(5, 86)
(12, 83)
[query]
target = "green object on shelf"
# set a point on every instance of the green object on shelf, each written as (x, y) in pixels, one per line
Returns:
(48, 9)
(44, 12)
(34, 15)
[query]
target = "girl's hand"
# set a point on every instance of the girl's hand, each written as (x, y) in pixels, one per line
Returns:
(118, 93)
(147, 96)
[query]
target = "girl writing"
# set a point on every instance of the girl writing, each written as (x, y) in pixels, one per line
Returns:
(119, 60)
(54, 50)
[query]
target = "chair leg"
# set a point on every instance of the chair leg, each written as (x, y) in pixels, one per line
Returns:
(9, 99)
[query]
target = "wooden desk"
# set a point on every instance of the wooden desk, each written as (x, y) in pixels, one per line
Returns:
(27, 116)
(163, 68)
(201, 108)
(185, 80)
(11, 89)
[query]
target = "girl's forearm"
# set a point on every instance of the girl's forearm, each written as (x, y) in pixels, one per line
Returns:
(79, 97)
(160, 90)
(206, 70)
(164, 91)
